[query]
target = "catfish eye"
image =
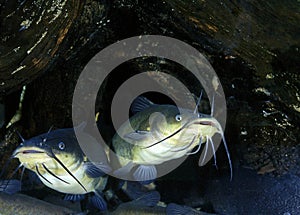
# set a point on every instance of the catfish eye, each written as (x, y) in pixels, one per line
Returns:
(178, 118)
(61, 145)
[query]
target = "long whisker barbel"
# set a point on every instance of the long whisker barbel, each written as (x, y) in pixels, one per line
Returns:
(38, 172)
(180, 129)
(20, 136)
(52, 155)
(198, 102)
(185, 147)
(22, 174)
(67, 170)
(171, 135)
(205, 152)
(209, 139)
(15, 171)
(45, 139)
(198, 148)
(228, 155)
(51, 173)
(12, 174)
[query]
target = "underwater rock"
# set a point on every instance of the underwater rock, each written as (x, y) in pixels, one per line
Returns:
(250, 193)
(19, 204)
(36, 34)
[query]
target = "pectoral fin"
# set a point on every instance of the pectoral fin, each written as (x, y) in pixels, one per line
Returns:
(95, 170)
(145, 173)
(74, 197)
(98, 201)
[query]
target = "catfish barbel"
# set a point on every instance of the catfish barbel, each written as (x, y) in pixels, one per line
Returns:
(160, 133)
(60, 164)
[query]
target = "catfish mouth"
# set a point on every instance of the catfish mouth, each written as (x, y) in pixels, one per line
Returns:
(28, 151)
(31, 152)
(210, 123)
(205, 122)
(36, 155)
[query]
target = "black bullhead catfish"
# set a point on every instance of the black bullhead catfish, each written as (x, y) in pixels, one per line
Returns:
(60, 164)
(159, 133)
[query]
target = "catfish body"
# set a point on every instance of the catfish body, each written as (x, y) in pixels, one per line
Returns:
(60, 164)
(159, 133)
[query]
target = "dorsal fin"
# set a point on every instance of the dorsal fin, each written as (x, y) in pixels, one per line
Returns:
(140, 104)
